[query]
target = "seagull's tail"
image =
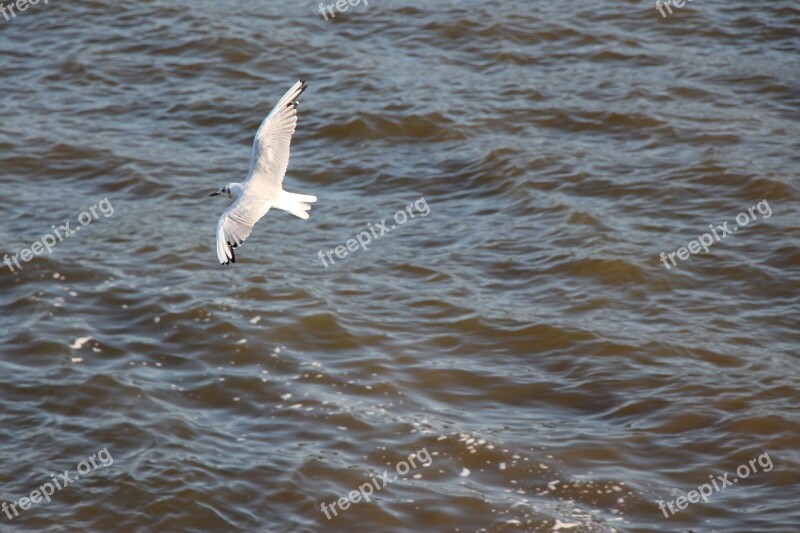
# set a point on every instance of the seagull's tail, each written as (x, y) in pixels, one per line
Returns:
(294, 203)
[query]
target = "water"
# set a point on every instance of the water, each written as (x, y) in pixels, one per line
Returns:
(524, 333)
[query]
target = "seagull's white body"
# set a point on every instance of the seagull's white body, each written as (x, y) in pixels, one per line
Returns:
(263, 188)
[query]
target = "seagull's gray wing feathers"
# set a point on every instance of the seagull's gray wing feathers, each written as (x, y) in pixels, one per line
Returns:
(236, 224)
(271, 145)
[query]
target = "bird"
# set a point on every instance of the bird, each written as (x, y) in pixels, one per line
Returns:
(263, 187)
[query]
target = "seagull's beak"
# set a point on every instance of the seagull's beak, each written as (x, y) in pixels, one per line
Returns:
(214, 194)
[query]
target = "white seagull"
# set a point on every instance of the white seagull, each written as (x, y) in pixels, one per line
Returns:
(263, 187)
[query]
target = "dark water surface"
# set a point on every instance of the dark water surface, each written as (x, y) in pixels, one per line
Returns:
(524, 336)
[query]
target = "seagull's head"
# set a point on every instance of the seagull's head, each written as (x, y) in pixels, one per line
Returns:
(225, 190)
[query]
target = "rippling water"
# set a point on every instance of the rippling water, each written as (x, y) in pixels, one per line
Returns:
(525, 333)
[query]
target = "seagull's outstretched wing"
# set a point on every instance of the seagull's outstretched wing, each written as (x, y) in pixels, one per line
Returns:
(236, 223)
(271, 145)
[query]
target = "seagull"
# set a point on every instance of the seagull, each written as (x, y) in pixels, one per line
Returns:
(263, 187)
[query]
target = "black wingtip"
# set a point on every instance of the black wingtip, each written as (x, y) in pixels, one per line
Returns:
(303, 86)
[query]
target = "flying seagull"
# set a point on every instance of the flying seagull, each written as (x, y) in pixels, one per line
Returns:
(263, 187)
